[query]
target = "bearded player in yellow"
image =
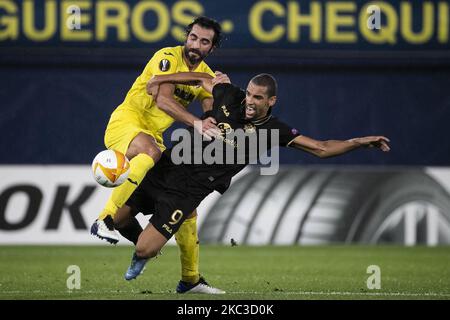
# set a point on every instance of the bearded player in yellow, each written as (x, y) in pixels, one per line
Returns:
(136, 128)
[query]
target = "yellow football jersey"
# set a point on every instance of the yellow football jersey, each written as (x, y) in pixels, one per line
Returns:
(165, 61)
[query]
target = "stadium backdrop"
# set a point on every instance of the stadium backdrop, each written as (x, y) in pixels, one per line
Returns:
(65, 65)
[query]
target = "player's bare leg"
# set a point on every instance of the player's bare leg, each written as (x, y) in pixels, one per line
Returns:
(123, 217)
(150, 242)
(148, 246)
(187, 240)
(144, 152)
(126, 223)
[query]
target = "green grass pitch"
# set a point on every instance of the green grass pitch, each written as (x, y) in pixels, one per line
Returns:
(266, 272)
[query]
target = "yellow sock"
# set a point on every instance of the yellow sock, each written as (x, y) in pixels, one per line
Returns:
(187, 241)
(139, 166)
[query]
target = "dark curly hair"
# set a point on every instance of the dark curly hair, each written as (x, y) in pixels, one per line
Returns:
(207, 23)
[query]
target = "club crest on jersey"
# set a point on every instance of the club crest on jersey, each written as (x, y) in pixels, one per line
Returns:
(225, 128)
(249, 128)
(164, 65)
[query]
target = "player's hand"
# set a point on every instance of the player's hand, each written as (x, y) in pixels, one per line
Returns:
(374, 142)
(207, 128)
(153, 87)
(220, 78)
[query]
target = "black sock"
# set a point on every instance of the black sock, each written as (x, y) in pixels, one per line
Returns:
(131, 231)
(109, 222)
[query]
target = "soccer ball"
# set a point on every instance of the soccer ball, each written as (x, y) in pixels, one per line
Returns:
(110, 168)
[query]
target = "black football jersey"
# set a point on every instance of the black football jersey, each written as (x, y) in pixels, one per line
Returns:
(241, 140)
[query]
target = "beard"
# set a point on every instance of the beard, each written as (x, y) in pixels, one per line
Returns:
(193, 60)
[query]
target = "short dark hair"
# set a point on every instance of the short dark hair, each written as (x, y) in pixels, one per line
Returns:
(268, 81)
(207, 23)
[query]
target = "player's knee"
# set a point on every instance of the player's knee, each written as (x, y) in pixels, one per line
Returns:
(154, 152)
(193, 214)
(146, 144)
(146, 252)
(132, 151)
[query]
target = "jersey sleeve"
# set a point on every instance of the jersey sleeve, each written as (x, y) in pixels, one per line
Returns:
(226, 94)
(163, 62)
(286, 133)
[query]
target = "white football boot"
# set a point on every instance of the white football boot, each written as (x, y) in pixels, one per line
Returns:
(104, 229)
(200, 287)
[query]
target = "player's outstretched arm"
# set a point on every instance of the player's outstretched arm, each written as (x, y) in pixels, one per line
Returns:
(189, 78)
(331, 148)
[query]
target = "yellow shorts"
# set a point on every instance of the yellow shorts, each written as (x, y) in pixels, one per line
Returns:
(124, 125)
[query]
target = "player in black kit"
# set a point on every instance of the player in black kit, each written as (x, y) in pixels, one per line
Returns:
(178, 183)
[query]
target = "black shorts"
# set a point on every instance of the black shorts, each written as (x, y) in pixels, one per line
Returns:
(169, 194)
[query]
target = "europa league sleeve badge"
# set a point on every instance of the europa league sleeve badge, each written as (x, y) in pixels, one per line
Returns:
(164, 65)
